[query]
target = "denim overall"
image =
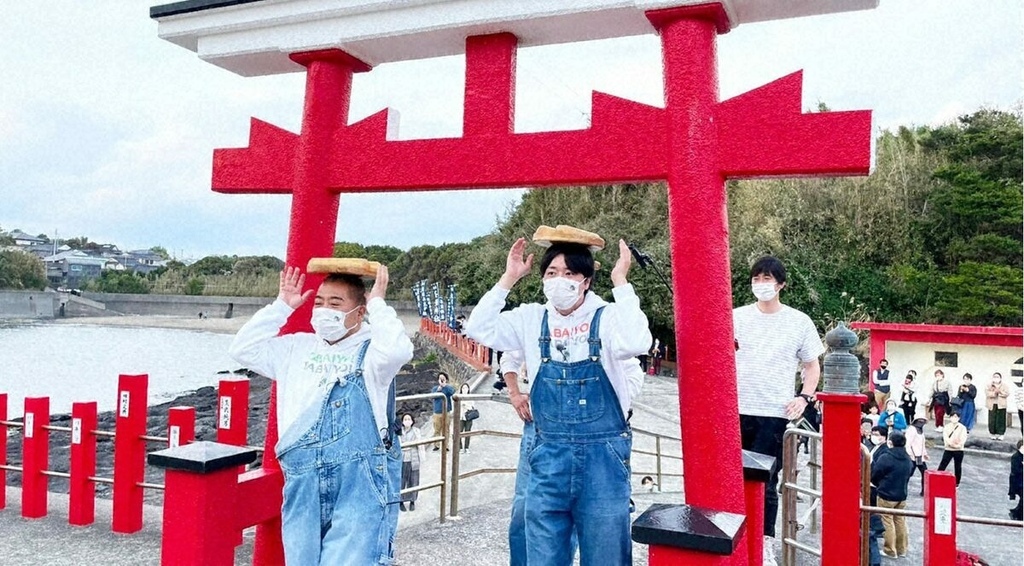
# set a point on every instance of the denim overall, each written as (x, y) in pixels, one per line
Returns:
(579, 466)
(341, 480)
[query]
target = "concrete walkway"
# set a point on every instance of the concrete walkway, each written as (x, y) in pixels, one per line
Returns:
(478, 535)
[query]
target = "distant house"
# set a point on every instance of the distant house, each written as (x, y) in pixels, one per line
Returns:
(142, 261)
(23, 239)
(73, 268)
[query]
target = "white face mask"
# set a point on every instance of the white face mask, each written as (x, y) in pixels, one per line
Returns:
(876, 440)
(763, 291)
(562, 292)
(329, 324)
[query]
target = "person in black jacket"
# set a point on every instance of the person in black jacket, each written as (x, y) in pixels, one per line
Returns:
(890, 473)
(1017, 481)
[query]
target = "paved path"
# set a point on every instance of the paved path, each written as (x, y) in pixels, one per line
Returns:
(478, 536)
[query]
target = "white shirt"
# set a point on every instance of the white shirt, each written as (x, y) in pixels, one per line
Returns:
(512, 362)
(306, 367)
(772, 348)
(624, 333)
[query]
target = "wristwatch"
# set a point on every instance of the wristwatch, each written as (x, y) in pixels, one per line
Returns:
(806, 398)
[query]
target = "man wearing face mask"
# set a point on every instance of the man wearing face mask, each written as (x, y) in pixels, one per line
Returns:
(337, 448)
(773, 343)
(579, 349)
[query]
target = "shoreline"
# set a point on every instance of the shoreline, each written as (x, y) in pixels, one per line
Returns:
(215, 325)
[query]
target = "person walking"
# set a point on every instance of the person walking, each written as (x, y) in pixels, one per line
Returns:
(940, 398)
(578, 347)
(965, 402)
(341, 485)
(773, 341)
(656, 354)
(916, 448)
(954, 437)
(908, 398)
(996, 395)
(880, 382)
(442, 417)
(412, 457)
(890, 472)
(469, 414)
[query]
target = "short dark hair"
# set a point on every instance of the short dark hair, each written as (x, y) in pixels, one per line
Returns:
(577, 258)
(880, 429)
(769, 265)
(968, 376)
(897, 438)
(883, 360)
(354, 283)
(446, 379)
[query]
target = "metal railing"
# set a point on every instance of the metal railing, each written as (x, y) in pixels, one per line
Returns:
(458, 475)
(791, 524)
(443, 439)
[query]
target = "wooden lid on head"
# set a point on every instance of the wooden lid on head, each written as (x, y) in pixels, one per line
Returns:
(347, 265)
(546, 235)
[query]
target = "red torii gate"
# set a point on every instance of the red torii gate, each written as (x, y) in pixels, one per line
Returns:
(695, 143)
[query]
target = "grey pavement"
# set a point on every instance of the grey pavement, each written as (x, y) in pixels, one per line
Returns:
(478, 535)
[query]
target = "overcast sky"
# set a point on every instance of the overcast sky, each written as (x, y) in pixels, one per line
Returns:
(107, 131)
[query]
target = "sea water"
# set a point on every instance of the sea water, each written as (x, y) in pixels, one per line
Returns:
(69, 362)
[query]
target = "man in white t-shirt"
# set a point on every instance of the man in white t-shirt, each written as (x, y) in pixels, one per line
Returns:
(773, 342)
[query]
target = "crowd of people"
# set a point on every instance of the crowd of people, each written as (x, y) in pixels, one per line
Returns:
(346, 458)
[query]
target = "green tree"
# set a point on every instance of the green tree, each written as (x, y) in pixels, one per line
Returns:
(194, 286)
(20, 270)
(160, 251)
(213, 265)
(111, 281)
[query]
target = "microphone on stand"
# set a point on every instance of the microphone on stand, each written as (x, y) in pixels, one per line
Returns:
(643, 260)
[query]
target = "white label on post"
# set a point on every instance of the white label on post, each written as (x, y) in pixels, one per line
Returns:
(225, 413)
(943, 516)
(30, 420)
(175, 437)
(122, 408)
(76, 431)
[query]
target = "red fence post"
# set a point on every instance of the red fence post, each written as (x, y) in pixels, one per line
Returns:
(36, 457)
(940, 518)
(3, 451)
(233, 412)
(82, 490)
(201, 523)
(181, 426)
(129, 452)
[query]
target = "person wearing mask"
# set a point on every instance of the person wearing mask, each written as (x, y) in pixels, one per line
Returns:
(341, 483)
(890, 472)
(878, 435)
(577, 346)
(996, 395)
(773, 342)
(940, 399)
(880, 382)
(964, 402)
(865, 432)
(892, 419)
(916, 447)
(412, 456)
(908, 399)
(442, 407)
(954, 437)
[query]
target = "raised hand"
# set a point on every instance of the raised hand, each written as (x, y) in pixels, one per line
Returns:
(621, 267)
(290, 287)
(515, 266)
(380, 284)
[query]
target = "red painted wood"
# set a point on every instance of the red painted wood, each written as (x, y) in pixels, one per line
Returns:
(181, 426)
(35, 457)
(199, 523)
(840, 490)
(82, 490)
(753, 499)
(233, 412)
(940, 518)
(3, 451)
(129, 453)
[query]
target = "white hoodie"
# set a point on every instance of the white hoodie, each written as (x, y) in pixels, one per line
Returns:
(306, 367)
(624, 333)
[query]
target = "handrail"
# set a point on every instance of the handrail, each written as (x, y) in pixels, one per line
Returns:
(443, 482)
